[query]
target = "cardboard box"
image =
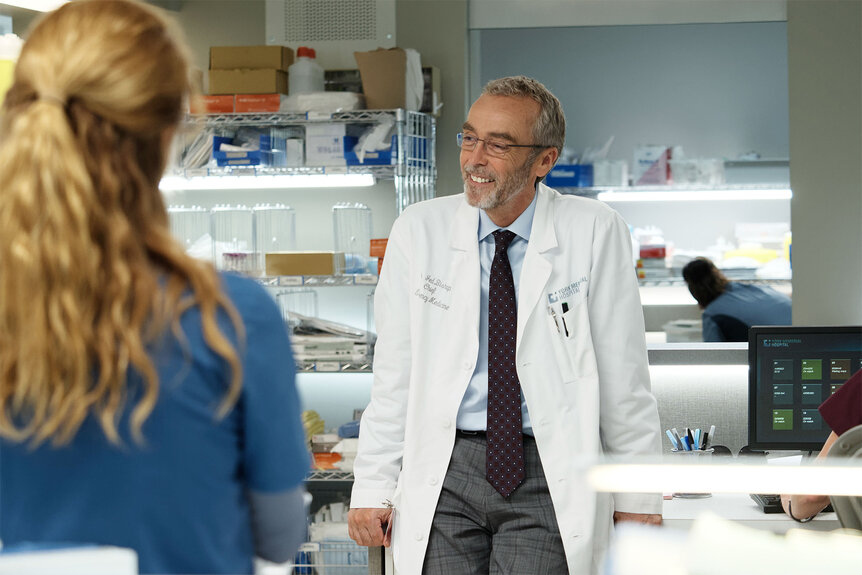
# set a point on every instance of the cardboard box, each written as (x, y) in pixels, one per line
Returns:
(304, 263)
(244, 81)
(383, 75)
(254, 57)
(325, 460)
(377, 249)
(324, 145)
(350, 81)
(249, 103)
(214, 104)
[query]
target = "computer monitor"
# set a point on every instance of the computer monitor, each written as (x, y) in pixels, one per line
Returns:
(791, 371)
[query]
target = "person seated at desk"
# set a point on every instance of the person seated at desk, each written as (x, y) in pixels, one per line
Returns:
(146, 401)
(841, 411)
(730, 308)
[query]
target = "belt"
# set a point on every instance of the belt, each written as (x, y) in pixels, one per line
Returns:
(479, 434)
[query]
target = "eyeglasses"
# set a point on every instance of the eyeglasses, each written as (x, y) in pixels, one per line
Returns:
(497, 148)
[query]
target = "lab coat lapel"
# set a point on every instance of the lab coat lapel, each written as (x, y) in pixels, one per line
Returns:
(537, 267)
(466, 270)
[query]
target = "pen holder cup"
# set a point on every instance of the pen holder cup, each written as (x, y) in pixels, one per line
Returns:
(695, 456)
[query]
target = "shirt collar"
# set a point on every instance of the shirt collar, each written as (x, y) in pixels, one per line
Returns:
(521, 226)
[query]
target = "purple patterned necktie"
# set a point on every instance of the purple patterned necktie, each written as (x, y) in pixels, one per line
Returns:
(504, 458)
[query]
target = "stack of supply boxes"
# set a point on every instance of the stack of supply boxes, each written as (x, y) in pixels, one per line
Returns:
(248, 78)
(652, 264)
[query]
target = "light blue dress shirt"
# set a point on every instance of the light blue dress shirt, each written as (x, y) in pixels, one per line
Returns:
(472, 414)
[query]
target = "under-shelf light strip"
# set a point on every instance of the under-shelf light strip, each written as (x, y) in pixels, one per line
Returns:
(175, 183)
(695, 195)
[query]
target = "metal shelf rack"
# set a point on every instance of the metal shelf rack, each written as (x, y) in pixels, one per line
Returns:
(414, 171)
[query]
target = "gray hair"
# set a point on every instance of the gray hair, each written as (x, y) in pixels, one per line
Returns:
(550, 127)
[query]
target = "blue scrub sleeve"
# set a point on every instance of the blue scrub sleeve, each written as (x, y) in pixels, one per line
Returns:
(276, 456)
(277, 533)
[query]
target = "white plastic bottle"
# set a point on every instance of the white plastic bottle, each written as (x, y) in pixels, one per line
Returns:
(305, 75)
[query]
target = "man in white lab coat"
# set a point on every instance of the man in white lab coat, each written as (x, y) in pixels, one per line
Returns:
(426, 476)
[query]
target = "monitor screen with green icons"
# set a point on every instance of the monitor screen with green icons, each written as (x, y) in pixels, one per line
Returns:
(791, 371)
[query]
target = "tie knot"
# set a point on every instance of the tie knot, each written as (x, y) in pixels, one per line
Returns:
(502, 239)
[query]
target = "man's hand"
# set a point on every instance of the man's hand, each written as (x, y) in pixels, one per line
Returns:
(368, 526)
(645, 518)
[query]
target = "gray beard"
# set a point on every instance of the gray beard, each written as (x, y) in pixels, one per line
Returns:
(503, 191)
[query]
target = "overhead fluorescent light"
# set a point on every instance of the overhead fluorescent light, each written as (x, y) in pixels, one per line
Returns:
(702, 477)
(177, 183)
(696, 195)
(36, 5)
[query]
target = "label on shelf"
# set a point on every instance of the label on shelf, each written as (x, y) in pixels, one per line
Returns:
(289, 281)
(327, 366)
(366, 279)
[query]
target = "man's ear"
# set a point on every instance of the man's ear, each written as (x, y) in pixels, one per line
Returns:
(545, 162)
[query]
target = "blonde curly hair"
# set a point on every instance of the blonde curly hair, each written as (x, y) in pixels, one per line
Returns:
(89, 272)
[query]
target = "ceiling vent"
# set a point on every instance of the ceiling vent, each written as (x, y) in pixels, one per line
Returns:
(334, 28)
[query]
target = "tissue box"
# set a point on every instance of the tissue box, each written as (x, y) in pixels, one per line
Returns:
(255, 57)
(570, 175)
(383, 74)
(376, 158)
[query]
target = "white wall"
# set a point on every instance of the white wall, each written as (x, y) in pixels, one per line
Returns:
(825, 61)
(718, 90)
(547, 13)
(221, 23)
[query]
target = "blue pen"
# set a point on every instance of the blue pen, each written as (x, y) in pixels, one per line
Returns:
(685, 443)
(697, 439)
(672, 440)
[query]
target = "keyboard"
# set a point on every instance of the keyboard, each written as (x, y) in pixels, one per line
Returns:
(768, 502)
(771, 503)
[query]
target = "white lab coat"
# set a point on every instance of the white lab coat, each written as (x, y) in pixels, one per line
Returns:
(587, 393)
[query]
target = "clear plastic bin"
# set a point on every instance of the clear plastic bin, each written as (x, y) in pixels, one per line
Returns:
(233, 238)
(275, 231)
(191, 227)
(351, 226)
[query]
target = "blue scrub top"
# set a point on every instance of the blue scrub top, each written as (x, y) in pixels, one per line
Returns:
(180, 500)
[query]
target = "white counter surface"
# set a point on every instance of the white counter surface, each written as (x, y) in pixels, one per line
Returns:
(679, 513)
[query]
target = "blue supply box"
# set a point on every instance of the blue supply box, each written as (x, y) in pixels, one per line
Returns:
(260, 157)
(570, 176)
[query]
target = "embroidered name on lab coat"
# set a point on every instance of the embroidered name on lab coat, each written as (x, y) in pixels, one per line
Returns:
(432, 289)
(570, 290)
